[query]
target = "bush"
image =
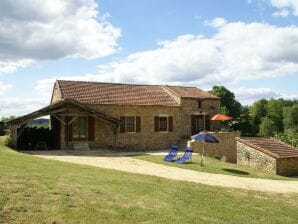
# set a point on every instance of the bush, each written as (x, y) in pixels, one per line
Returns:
(9, 142)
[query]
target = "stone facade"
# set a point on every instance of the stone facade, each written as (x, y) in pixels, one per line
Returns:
(249, 156)
(147, 138)
(225, 150)
(287, 166)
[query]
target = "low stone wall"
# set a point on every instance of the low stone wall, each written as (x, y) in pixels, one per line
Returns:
(225, 150)
(287, 166)
(248, 156)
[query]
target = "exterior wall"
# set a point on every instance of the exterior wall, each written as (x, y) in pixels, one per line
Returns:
(208, 107)
(56, 95)
(147, 139)
(251, 157)
(287, 166)
(225, 150)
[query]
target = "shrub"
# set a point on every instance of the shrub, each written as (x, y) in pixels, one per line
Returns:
(9, 142)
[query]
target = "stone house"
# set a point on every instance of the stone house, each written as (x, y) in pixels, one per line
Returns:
(267, 154)
(127, 116)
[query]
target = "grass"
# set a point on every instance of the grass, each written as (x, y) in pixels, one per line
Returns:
(35, 190)
(212, 165)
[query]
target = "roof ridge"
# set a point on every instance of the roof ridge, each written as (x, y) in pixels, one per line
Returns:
(132, 84)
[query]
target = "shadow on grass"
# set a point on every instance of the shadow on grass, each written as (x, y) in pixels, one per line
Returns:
(239, 172)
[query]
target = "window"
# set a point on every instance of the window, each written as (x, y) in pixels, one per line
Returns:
(163, 123)
(199, 104)
(200, 124)
(130, 124)
(79, 128)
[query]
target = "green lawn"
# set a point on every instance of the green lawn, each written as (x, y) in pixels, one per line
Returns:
(35, 190)
(212, 165)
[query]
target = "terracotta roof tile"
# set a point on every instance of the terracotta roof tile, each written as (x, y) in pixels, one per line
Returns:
(191, 92)
(124, 94)
(270, 146)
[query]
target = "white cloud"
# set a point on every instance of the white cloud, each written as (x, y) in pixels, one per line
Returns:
(282, 13)
(19, 106)
(217, 22)
(284, 6)
(248, 95)
(4, 87)
(237, 51)
(53, 29)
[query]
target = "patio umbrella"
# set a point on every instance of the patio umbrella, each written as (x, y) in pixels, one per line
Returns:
(221, 117)
(204, 137)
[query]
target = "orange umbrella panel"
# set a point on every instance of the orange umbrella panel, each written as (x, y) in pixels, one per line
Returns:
(221, 117)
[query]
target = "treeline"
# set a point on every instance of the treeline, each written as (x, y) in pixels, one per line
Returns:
(275, 117)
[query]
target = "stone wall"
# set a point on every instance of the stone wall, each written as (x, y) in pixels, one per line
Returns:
(251, 157)
(147, 138)
(287, 166)
(224, 150)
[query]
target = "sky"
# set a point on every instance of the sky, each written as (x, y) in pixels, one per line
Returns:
(248, 46)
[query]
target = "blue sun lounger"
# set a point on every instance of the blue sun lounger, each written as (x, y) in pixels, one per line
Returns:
(187, 155)
(172, 153)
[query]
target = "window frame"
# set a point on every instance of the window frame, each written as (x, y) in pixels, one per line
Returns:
(135, 124)
(79, 119)
(167, 123)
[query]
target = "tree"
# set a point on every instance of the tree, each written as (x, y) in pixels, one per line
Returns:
(291, 118)
(1, 128)
(6, 119)
(275, 112)
(245, 124)
(267, 127)
(228, 104)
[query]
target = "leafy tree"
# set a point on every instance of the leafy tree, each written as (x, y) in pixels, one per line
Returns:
(6, 119)
(291, 118)
(275, 113)
(258, 110)
(244, 123)
(228, 104)
(267, 127)
(1, 128)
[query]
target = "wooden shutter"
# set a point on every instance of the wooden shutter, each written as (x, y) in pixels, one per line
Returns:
(207, 123)
(170, 124)
(156, 124)
(68, 129)
(122, 124)
(193, 124)
(91, 128)
(138, 124)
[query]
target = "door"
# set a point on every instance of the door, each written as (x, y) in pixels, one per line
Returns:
(199, 123)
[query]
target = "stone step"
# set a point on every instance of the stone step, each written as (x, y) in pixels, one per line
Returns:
(81, 146)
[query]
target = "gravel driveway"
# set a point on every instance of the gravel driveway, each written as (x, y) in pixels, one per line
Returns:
(125, 163)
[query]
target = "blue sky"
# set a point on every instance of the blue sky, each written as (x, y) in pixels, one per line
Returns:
(249, 46)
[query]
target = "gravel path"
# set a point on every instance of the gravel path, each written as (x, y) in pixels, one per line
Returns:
(129, 164)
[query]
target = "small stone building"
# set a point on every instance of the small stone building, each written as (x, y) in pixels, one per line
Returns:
(268, 154)
(124, 116)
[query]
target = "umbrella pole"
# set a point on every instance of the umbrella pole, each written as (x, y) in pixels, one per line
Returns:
(203, 154)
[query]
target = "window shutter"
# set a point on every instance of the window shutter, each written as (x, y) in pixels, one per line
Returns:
(156, 124)
(68, 129)
(122, 124)
(91, 128)
(138, 124)
(207, 123)
(170, 124)
(193, 124)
